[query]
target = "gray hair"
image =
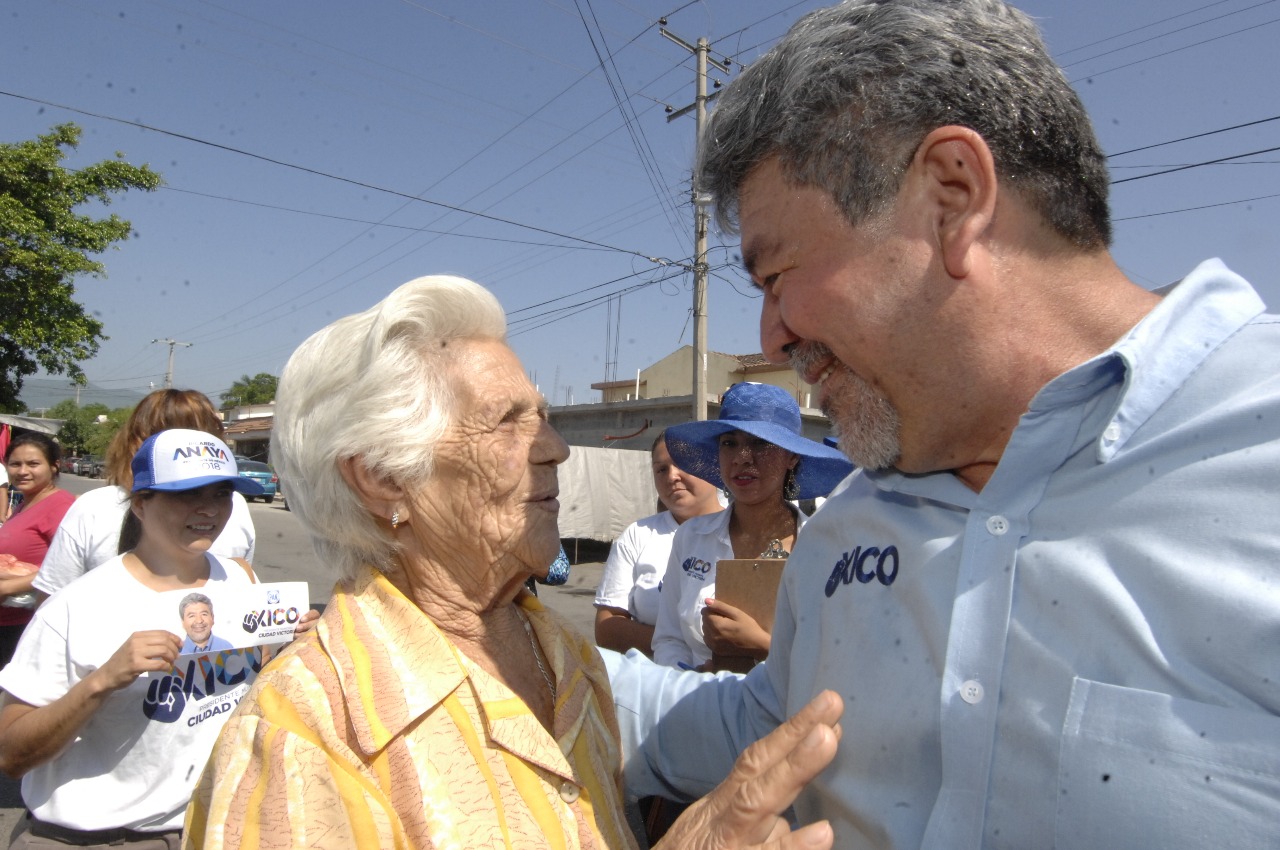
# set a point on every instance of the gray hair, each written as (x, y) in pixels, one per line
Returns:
(373, 386)
(194, 599)
(846, 97)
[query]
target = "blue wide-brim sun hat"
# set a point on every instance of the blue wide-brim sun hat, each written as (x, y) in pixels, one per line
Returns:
(767, 412)
(183, 459)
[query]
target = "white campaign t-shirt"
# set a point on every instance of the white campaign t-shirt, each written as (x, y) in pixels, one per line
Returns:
(136, 761)
(90, 535)
(637, 562)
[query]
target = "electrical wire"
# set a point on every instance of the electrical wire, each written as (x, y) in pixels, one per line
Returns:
(318, 173)
(1193, 165)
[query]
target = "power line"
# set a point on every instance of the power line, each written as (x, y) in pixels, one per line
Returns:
(1175, 50)
(1201, 207)
(1196, 136)
(1141, 28)
(318, 173)
(1165, 34)
(1193, 165)
(630, 120)
(374, 224)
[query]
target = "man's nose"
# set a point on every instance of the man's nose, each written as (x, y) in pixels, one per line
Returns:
(775, 336)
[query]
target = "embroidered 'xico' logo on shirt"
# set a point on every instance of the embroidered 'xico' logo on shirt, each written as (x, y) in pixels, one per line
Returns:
(865, 565)
(696, 568)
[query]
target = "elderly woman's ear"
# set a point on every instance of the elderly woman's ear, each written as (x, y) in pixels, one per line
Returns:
(380, 496)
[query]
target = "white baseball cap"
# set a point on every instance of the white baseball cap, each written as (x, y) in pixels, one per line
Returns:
(182, 459)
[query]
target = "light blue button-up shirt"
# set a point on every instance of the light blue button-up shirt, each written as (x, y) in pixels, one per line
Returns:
(1085, 654)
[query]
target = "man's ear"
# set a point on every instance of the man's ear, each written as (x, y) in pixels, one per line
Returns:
(960, 184)
(380, 496)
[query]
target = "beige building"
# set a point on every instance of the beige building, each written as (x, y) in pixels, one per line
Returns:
(247, 429)
(634, 411)
(673, 376)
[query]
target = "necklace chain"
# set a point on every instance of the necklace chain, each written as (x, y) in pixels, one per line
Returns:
(537, 655)
(774, 550)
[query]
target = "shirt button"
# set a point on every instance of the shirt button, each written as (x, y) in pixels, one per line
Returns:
(997, 525)
(1112, 433)
(569, 792)
(971, 692)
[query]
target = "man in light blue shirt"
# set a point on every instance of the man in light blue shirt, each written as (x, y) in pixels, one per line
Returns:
(1051, 601)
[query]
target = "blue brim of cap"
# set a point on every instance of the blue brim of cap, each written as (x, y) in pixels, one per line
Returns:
(243, 486)
(694, 447)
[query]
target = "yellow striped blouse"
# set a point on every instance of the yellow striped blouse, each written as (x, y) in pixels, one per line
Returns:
(373, 730)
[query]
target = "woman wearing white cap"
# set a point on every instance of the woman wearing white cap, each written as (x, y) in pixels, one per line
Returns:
(107, 753)
(755, 451)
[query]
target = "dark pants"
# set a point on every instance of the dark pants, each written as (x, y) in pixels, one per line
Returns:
(9, 636)
(38, 835)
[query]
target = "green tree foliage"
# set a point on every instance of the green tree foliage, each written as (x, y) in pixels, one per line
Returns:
(79, 425)
(87, 430)
(260, 389)
(44, 246)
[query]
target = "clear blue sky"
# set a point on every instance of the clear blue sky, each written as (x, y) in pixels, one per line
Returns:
(319, 122)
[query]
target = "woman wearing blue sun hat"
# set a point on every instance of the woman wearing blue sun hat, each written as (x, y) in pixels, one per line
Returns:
(755, 452)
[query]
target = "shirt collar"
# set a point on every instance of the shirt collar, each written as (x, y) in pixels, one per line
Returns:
(376, 636)
(1156, 357)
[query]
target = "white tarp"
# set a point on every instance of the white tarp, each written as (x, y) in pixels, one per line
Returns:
(31, 423)
(602, 491)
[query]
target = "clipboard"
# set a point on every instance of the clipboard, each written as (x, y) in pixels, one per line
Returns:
(750, 584)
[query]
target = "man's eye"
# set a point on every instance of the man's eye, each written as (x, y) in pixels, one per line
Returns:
(767, 281)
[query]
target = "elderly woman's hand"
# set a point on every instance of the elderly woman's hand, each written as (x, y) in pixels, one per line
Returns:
(744, 810)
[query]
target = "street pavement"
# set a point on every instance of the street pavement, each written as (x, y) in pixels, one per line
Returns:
(284, 553)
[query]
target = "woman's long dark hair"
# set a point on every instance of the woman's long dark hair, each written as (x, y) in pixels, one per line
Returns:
(131, 526)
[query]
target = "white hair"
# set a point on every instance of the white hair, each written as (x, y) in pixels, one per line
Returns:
(372, 386)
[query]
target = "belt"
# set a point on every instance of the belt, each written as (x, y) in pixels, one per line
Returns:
(88, 837)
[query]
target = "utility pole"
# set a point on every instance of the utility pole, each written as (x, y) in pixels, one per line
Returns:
(168, 376)
(700, 221)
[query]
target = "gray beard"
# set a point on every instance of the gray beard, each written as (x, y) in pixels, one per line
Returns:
(866, 424)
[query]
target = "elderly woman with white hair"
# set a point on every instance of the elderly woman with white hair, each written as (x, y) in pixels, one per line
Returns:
(438, 703)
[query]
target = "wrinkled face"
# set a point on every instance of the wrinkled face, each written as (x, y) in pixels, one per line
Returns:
(29, 470)
(754, 470)
(489, 511)
(683, 494)
(189, 520)
(844, 306)
(197, 620)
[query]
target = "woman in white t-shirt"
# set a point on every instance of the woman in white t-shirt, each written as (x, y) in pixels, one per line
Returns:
(627, 598)
(108, 728)
(89, 534)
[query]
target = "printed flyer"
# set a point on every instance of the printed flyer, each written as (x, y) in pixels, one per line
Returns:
(216, 618)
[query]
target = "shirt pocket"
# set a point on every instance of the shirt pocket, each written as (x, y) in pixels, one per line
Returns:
(1144, 769)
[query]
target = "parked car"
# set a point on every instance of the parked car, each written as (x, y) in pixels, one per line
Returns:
(263, 474)
(97, 467)
(67, 464)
